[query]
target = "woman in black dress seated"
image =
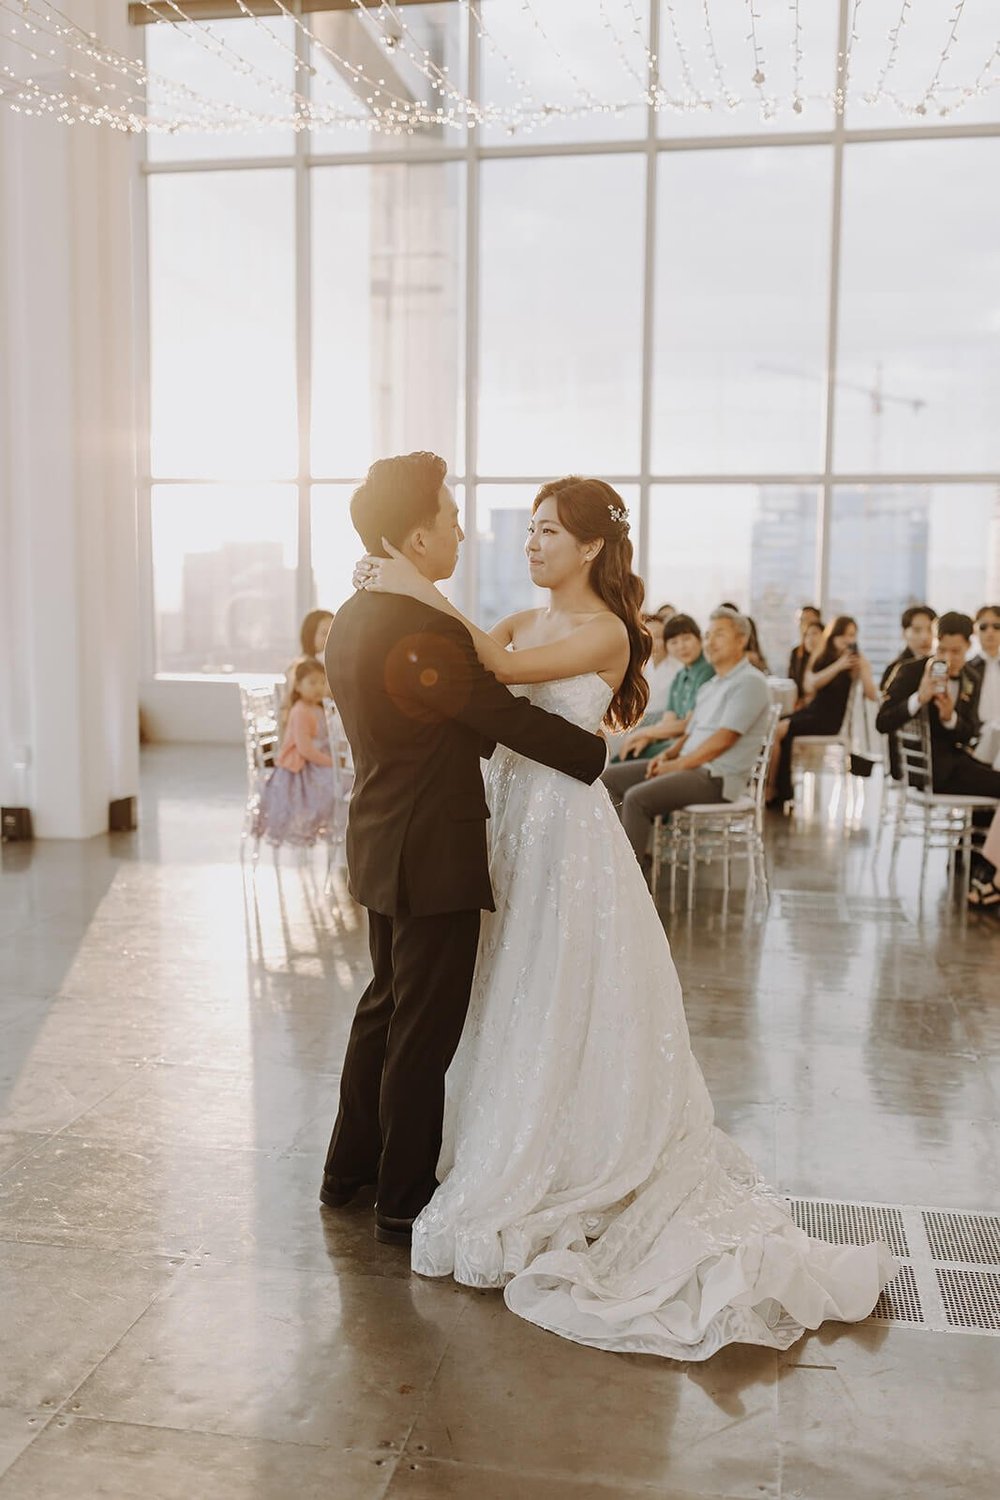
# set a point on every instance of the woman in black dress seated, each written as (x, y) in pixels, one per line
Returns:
(831, 674)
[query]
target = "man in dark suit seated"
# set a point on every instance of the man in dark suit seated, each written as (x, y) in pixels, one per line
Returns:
(949, 701)
(918, 632)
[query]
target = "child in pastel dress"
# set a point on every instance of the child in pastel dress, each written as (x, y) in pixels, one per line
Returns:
(297, 803)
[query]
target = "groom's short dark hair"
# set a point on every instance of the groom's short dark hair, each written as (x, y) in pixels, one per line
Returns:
(397, 495)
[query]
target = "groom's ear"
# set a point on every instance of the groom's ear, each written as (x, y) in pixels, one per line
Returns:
(416, 541)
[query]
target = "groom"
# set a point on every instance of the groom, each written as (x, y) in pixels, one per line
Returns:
(419, 711)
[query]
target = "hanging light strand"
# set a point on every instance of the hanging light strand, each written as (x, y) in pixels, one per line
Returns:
(695, 100)
(844, 62)
(86, 80)
(514, 78)
(723, 91)
(895, 37)
(42, 28)
(581, 88)
(931, 89)
(797, 58)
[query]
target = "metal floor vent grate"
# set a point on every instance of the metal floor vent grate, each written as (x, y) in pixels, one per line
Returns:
(851, 1223)
(971, 1298)
(968, 1239)
(949, 1279)
(900, 1302)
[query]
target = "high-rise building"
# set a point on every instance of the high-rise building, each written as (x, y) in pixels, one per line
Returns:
(782, 567)
(238, 610)
(504, 582)
(879, 540)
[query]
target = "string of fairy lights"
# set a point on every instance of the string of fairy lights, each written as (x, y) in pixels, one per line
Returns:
(384, 68)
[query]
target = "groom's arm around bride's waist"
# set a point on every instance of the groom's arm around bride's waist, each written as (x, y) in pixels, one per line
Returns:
(437, 673)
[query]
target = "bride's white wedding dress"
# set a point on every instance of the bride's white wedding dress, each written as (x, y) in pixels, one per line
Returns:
(581, 1167)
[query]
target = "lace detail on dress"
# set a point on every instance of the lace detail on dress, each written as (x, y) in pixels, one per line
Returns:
(581, 1166)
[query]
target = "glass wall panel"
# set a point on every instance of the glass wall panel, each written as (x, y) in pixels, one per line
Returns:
(400, 52)
(222, 325)
(224, 559)
(388, 289)
(918, 383)
(336, 546)
(743, 255)
(502, 515)
(247, 67)
(895, 545)
(547, 59)
(708, 62)
(561, 315)
(749, 545)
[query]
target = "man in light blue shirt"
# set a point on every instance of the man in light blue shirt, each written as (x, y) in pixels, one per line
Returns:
(713, 761)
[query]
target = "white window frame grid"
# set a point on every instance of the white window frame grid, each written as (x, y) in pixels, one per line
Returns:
(651, 145)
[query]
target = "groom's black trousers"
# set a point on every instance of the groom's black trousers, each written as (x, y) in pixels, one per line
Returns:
(405, 1032)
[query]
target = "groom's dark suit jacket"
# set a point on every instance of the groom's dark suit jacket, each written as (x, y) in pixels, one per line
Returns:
(419, 710)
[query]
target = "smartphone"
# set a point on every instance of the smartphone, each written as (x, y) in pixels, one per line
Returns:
(852, 649)
(939, 676)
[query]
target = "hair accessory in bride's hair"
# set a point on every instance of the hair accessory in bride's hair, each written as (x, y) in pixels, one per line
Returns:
(619, 515)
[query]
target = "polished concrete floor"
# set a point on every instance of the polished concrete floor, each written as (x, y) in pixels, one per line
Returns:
(178, 1317)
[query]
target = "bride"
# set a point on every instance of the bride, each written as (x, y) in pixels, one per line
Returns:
(581, 1168)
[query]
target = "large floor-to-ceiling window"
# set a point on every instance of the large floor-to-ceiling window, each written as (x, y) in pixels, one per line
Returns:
(780, 339)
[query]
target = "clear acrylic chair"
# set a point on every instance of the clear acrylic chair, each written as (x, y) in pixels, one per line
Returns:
(892, 792)
(261, 732)
(724, 831)
(942, 820)
(814, 753)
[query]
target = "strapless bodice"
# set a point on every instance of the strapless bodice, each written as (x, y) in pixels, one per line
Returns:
(582, 700)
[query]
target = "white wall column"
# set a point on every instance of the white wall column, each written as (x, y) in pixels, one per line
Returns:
(68, 608)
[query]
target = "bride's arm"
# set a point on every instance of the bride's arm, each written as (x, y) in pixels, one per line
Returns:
(601, 645)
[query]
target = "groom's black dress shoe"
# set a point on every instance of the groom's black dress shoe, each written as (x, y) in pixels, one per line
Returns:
(389, 1231)
(337, 1192)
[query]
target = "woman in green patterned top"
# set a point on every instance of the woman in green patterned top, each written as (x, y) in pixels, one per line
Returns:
(683, 638)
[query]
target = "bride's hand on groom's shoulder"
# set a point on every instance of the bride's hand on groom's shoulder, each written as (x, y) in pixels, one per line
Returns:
(392, 574)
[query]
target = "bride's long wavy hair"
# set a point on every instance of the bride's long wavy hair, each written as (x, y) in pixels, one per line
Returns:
(591, 510)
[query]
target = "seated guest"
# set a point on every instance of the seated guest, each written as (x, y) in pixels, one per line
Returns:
(984, 889)
(683, 640)
(829, 678)
(713, 759)
(807, 616)
(755, 655)
(988, 664)
(298, 799)
(660, 670)
(918, 633)
(313, 634)
(949, 701)
(811, 638)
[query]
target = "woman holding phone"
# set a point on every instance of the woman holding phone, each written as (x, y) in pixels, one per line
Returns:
(836, 665)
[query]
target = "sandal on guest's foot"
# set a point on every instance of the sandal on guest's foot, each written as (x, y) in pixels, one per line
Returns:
(984, 894)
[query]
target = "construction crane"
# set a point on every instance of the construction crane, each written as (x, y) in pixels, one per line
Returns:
(879, 397)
